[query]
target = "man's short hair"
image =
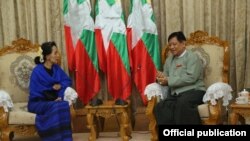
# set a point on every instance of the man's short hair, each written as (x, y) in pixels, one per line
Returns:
(179, 35)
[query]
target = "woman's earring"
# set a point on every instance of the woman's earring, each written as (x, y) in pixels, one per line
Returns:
(41, 59)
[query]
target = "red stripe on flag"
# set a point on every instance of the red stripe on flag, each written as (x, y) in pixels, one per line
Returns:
(143, 70)
(129, 41)
(119, 81)
(69, 48)
(102, 55)
(87, 77)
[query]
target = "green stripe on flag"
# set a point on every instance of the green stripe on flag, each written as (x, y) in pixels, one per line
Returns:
(143, 2)
(88, 39)
(152, 44)
(80, 1)
(153, 18)
(119, 41)
(65, 7)
(97, 7)
(122, 17)
(131, 6)
(111, 2)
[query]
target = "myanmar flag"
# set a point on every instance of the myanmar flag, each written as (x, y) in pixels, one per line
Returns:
(143, 44)
(79, 30)
(112, 47)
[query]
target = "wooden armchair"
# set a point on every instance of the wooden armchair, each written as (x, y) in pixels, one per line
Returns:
(17, 62)
(214, 55)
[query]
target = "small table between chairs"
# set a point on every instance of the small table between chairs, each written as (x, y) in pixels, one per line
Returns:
(108, 109)
(239, 110)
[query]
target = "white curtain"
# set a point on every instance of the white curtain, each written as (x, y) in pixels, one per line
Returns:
(35, 20)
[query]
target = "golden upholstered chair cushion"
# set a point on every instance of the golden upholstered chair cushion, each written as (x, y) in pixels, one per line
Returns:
(19, 115)
(17, 63)
(16, 73)
(212, 57)
(203, 111)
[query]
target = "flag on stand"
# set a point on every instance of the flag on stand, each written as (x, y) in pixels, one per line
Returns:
(143, 44)
(80, 36)
(112, 47)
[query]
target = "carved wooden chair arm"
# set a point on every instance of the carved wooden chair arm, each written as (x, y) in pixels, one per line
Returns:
(151, 104)
(150, 113)
(3, 118)
(72, 115)
(215, 112)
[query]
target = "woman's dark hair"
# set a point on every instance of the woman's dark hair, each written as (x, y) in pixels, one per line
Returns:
(46, 50)
(179, 35)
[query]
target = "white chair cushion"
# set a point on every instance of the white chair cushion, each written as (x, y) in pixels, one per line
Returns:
(20, 115)
(203, 110)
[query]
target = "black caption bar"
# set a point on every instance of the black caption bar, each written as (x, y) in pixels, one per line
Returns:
(199, 132)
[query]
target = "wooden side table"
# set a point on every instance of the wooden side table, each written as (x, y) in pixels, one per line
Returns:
(108, 109)
(239, 110)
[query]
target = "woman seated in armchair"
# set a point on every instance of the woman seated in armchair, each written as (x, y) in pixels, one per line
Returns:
(48, 85)
(183, 73)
